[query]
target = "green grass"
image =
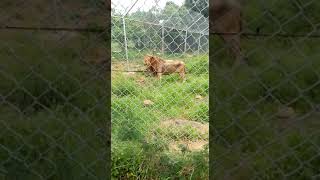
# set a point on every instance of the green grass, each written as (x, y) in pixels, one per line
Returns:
(279, 71)
(136, 126)
(49, 112)
(187, 132)
(42, 138)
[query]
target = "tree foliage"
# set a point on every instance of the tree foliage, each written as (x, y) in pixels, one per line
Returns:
(200, 6)
(272, 16)
(144, 28)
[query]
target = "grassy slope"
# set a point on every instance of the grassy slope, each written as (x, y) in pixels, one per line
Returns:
(280, 70)
(132, 122)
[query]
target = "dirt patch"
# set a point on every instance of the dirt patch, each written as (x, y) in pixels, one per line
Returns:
(180, 123)
(303, 122)
(124, 66)
(119, 66)
(130, 74)
(187, 144)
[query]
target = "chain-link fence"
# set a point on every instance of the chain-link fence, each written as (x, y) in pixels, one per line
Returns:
(168, 28)
(160, 126)
(265, 121)
(53, 90)
(54, 93)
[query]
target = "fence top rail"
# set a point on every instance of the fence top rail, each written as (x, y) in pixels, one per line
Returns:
(45, 28)
(206, 30)
(284, 35)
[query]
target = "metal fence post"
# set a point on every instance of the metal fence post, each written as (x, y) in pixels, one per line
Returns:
(199, 40)
(185, 42)
(162, 39)
(125, 41)
(55, 13)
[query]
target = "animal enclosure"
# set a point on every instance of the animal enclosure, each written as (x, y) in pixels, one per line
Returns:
(159, 127)
(266, 111)
(55, 96)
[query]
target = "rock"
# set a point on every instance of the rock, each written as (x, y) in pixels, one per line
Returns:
(198, 97)
(285, 112)
(130, 73)
(147, 103)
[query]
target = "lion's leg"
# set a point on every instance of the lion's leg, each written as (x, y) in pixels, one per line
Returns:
(154, 73)
(182, 75)
(159, 76)
(148, 71)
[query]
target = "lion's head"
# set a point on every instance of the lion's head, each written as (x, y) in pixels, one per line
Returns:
(152, 61)
(147, 60)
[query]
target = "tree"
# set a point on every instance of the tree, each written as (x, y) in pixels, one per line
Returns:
(200, 6)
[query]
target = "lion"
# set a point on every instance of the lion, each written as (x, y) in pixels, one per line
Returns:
(159, 67)
(226, 19)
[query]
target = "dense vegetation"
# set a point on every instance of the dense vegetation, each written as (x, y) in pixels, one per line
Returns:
(279, 71)
(144, 29)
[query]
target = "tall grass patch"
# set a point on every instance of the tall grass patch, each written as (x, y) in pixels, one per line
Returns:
(136, 124)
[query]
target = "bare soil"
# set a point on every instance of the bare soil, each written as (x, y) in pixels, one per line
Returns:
(190, 145)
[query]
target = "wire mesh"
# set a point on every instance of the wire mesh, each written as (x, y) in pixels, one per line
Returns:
(159, 125)
(266, 108)
(174, 31)
(53, 90)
